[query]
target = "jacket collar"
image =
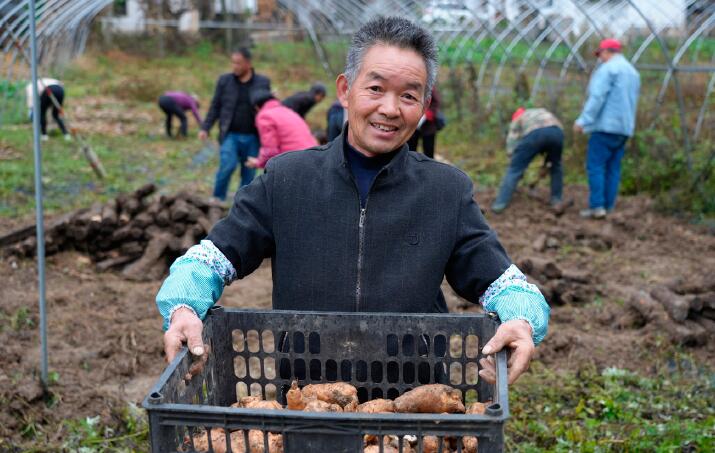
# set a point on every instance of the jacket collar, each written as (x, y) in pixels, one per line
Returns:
(249, 81)
(340, 160)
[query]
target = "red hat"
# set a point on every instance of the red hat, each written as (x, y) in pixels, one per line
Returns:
(520, 111)
(609, 44)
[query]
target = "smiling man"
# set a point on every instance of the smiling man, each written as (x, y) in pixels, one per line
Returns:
(362, 223)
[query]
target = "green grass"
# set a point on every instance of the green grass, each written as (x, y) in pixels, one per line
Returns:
(614, 410)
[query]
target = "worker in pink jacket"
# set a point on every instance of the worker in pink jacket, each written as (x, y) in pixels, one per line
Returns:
(280, 129)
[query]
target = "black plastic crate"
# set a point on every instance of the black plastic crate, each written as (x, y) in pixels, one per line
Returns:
(382, 354)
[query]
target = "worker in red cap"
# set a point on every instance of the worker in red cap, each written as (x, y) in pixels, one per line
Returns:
(532, 132)
(609, 115)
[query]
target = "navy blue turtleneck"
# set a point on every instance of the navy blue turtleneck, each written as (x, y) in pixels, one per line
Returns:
(365, 169)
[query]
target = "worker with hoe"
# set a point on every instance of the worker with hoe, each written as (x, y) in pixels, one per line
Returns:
(609, 115)
(362, 224)
(231, 106)
(532, 132)
(52, 96)
(302, 101)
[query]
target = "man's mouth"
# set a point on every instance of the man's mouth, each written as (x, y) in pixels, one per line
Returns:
(384, 127)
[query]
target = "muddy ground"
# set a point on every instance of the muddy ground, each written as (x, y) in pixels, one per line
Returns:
(105, 337)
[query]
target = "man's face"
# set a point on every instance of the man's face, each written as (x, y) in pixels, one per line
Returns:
(386, 100)
(240, 64)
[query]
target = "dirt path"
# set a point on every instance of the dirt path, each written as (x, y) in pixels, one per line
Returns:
(105, 333)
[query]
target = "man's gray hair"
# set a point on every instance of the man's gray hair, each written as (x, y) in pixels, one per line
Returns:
(392, 31)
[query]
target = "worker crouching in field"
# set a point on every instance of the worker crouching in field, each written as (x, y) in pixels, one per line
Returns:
(532, 132)
(363, 224)
(175, 103)
(303, 101)
(52, 95)
(280, 129)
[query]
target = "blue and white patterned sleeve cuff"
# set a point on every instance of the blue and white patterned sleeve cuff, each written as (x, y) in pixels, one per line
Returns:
(512, 297)
(207, 253)
(196, 281)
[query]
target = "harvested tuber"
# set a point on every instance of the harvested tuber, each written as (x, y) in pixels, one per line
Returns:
(256, 442)
(430, 444)
(255, 402)
(294, 398)
(340, 393)
(218, 441)
(197, 366)
(386, 449)
(390, 443)
(432, 399)
(477, 407)
(321, 406)
(377, 406)
(471, 444)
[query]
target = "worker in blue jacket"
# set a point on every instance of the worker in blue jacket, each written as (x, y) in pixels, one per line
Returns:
(609, 115)
(363, 224)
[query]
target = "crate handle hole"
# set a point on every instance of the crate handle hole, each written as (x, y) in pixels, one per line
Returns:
(494, 409)
(155, 397)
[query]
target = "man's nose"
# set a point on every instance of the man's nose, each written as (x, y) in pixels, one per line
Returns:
(390, 106)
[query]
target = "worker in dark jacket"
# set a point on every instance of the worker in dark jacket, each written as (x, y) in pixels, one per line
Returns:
(302, 101)
(362, 223)
(231, 106)
(427, 131)
(336, 117)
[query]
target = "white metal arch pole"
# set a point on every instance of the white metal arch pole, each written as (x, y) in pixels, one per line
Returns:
(39, 217)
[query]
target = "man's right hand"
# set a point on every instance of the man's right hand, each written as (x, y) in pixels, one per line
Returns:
(184, 327)
(203, 135)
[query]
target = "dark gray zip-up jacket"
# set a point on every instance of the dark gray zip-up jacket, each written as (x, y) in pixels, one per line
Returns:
(224, 100)
(420, 223)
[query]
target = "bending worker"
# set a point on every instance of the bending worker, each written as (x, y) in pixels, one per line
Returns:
(174, 103)
(363, 224)
(303, 101)
(532, 132)
(52, 95)
(280, 129)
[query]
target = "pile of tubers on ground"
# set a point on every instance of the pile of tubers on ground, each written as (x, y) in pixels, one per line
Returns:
(342, 397)
(135, 232)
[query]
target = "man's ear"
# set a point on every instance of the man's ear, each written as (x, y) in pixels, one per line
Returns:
(341, 88)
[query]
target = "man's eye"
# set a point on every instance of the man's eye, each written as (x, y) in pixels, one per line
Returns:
(375, 89)
(409, 97)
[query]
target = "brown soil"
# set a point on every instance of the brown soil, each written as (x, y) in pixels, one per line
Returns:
(105, 337)
(109, 116)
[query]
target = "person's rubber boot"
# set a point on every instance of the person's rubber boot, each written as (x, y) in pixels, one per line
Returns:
(595, 213)
(498, 208)
(44, 137)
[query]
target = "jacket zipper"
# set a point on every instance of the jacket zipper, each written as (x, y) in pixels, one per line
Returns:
(361, 245)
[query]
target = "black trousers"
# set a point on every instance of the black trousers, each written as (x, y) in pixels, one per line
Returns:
(46, 103)
(427, 143)
(171, 108)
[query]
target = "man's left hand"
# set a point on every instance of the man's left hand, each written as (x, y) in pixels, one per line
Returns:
(515, 335)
